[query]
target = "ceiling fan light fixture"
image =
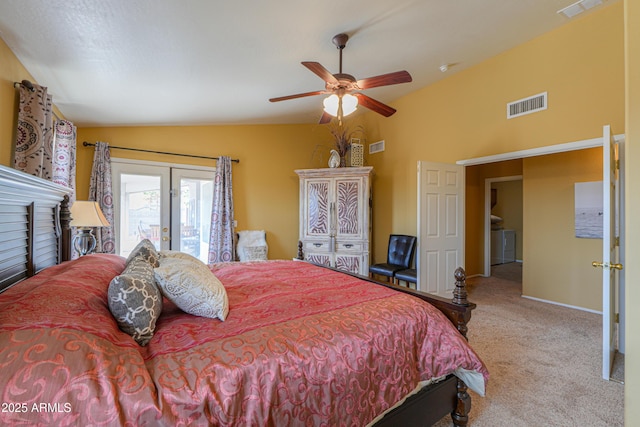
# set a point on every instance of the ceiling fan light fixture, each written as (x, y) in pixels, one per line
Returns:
(349, 104)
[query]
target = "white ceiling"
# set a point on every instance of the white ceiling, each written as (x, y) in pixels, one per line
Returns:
(173, 62)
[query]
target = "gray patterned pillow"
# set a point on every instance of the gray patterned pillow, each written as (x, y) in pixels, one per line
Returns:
(191, 286)
(135, 300)
(146, 250)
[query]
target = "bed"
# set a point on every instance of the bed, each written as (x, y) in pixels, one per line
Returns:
(300, 345)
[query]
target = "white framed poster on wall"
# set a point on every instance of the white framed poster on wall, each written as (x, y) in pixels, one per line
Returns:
(588, 209)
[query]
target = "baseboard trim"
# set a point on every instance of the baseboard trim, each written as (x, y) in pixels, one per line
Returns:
(575, 307)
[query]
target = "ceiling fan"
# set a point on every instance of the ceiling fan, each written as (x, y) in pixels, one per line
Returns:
(344, 88)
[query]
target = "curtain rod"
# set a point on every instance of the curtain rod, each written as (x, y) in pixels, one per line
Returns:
(29, 86)
(26, 83)
(89, 144)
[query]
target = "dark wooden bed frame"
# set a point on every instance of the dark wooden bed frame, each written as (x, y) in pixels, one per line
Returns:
(35, 234)
(449, 396)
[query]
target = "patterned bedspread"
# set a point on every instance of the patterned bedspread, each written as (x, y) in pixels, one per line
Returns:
(302, 345)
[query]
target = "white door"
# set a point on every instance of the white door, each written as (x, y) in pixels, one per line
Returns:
(610, 265)
(440, 226)
(169, 206)
(141, 204)
(191, 203)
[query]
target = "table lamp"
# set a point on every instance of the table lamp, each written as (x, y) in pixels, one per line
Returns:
(85, 216)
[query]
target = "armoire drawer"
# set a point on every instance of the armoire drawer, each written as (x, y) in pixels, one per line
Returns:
(350, 246)
(317, 246)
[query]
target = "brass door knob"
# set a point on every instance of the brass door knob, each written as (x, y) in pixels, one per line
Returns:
(606, 265)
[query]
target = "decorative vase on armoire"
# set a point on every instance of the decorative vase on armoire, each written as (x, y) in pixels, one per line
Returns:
(335, 217)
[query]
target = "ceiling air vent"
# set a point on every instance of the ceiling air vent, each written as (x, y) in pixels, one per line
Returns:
(528, 105)
(376, 147)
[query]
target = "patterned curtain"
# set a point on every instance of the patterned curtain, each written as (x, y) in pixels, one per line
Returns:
(34, 136)
(221, 240)
(100, 191)
(64, 156)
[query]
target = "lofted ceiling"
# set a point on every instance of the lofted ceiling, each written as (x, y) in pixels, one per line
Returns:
(195, 62)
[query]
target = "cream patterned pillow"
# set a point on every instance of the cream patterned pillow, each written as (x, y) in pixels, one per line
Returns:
(135, 301)
(192, 287)
(253, 253)
(178, 254)
(146, 250)
(252, 245)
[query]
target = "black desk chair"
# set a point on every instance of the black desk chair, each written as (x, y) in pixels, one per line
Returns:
(399, 256)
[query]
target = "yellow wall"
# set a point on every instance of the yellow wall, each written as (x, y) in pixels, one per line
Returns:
(11, 70)
(632, 235)
(264, 185)
(557, 265)
(580, 65)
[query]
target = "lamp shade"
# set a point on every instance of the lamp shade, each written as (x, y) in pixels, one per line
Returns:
(86, 214)
(349, 104)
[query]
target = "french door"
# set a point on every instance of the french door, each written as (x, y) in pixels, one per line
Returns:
(171, 206)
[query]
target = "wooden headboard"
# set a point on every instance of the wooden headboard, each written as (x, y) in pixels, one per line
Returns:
(34, 225)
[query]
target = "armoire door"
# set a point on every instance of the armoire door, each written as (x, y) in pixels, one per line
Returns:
(349, 201)
(318, 208)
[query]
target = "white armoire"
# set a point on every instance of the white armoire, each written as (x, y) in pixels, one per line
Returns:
(335, 217)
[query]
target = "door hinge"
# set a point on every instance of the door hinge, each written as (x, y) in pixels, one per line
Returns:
(617, 164)
(617, 318)
(617, 241)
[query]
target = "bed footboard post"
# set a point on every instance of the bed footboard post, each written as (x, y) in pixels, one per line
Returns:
(460, 416)
(65, 221)
(300, 254)
(460, 298)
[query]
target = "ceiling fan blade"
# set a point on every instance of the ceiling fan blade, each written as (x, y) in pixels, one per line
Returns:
(326, 118)
(298, 95)
(385, 80)
(374, 105)
(320, 71)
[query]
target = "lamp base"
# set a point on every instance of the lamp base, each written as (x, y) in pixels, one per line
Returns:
(84, 242)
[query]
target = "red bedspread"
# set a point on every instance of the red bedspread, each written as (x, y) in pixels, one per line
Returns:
(302, 345)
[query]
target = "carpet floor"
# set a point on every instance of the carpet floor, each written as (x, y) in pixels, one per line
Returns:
(544, 360)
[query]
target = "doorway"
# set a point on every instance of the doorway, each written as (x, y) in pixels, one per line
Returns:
(553, 185)
(503, 228)
(168, 204)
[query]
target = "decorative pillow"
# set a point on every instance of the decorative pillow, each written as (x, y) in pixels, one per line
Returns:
(178, 254)
(146, 250)
(252, 245)
(135, 301)
(253, 253)
(192, 287)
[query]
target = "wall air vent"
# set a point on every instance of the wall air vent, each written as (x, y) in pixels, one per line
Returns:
(528, 105)
(376, 147)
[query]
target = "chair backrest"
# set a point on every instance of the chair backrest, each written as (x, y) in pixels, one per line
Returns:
(401, 249)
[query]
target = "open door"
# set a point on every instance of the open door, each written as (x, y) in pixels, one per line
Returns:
(610, 246)
(440, 249)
